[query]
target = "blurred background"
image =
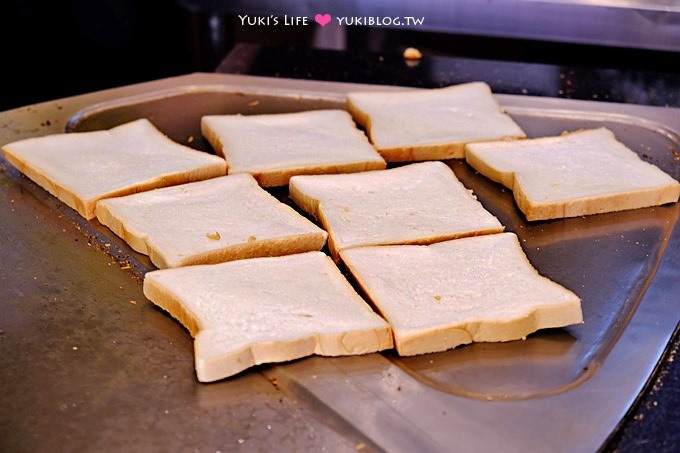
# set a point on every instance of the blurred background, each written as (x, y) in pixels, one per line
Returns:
(56, 49)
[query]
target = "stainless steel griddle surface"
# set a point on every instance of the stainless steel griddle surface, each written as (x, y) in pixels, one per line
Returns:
(87, 362)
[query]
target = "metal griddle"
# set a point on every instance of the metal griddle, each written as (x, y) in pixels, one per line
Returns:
(87, 362)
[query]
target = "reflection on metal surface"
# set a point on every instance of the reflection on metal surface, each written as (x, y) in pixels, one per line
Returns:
(538, 366)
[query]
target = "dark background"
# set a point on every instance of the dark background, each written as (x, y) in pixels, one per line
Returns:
(53, 49)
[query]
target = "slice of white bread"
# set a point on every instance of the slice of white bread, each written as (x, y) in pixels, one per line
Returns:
(580, 173)
(431, 124)
(414, 204)
(220, 219)
(275, 147)
(81, 168)
(456, 292)
(262, 310)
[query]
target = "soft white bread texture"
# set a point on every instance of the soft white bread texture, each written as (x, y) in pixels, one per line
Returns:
(414, 204)
(456, 292)
(581, 173)
(261, 310)
(277, 146)
(221, 219)
(82, 168)
(431, 124)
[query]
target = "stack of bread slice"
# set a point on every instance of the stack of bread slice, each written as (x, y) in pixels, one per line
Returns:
(261, 310)
(443, 295)
(212, 221)
(275, 147)
(581, 173)
(431, 124)
(245, 274)
(81, 169)
(418, 203)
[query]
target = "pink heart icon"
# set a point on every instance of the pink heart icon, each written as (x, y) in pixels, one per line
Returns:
(322, 19)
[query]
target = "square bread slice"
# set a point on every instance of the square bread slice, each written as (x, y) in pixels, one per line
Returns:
(277, 146)
(580, 173)
(263, 310)
(456, 292)
(414, 204)
(82, 168)
(431, 124)
(220, 219)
